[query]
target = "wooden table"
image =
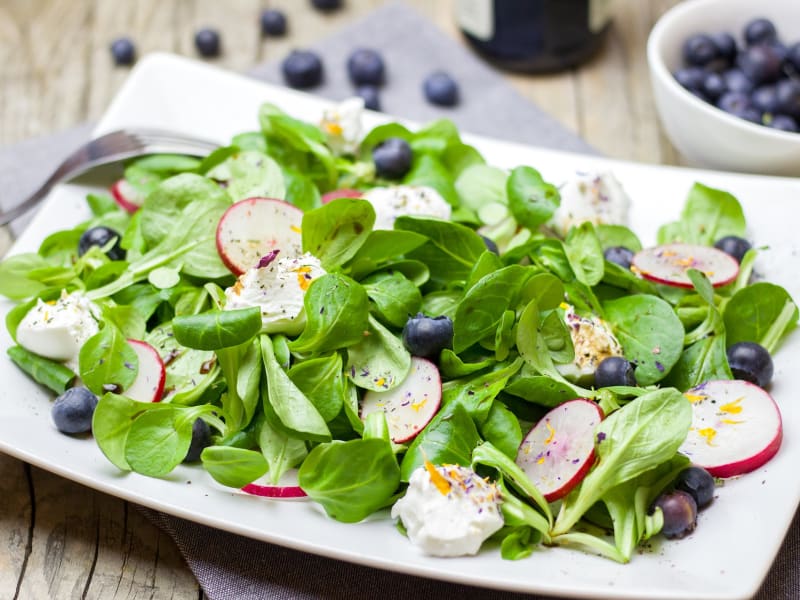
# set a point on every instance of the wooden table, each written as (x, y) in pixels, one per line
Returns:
(61, 540)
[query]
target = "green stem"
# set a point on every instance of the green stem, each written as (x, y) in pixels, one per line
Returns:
(774, 334)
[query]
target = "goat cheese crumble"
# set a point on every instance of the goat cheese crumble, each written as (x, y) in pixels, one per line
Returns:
(278, 289)
(593, 341)
(449, 510)
(594, 197)
(57, 329)
(398, 200)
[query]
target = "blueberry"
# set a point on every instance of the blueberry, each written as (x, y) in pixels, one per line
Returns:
(428, 336)
(699, 50)
(714, 86)
(737, 81)
(751, 362)
(792, 58)
(100, 236)
(273, 22)
(207, 42)
(698, 483)
(365, 66)
(201, 439)
(760, 64)
(73, 410)
(680, 513)
(765, 99)
(490, 244)
(441, 89)
(326, 4)
(392, 158)
(302, 69)
(783, 123)
(123, 51)
(734, 246)
(619, 255)
(738, 104)
(760, 31)
(726, 46)
(690, 77)
(370, 95)
(788, 97)
(614, 370)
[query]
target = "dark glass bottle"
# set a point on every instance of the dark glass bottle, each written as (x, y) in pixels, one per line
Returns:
(535, 35)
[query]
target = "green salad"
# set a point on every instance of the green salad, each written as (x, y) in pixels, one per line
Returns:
(427, 352)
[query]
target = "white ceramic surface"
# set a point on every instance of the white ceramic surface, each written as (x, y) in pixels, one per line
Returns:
(737, 537)
(704, 134)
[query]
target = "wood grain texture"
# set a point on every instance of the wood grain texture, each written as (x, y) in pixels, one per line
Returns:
(61, 540)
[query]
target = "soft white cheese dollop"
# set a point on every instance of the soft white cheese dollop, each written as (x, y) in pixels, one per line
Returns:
(449, 510)
(278, 290)
(57, 329)
(397, 200)
(593, 341)
(342, 126)
(594, 197)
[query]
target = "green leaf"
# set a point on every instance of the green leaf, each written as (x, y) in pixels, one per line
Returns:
(751, 312)
(250, 174)
(481, 184)
(233, 467)
(111, 422)
(282, 452)
(335, 231)
(351, 480)
(106, 359)
(322, 381)
(393, 297)
(379, 361)
(217, 329)
(49, 373)
(708, 215)
(532, 200)
(158, 441)
(585, 254)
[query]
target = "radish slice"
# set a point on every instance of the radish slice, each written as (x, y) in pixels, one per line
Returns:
(669, 263)
(342, 193)
(128, 197)
(410, 406)
(149, 383)
(253, 227)
(559, 451)
(287, 489)
(736, 427)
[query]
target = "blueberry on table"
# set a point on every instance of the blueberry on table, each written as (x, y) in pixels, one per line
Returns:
(441, 89)
(680, 513)
(201, 439)
(426, 337)
(690, 77)
(751, 362)
(760, 31)
(699, 50)
(326, 4)
(392, 158)
(123, 51)
(273, 22)
(619, 255)
(73, 410)
(302, 69)
(100, 236)
(614, 370)
(365, 66)
(698, 483)
(760, 64)
(783, 123)
(207, 42)
(734, 246)
(370, 95)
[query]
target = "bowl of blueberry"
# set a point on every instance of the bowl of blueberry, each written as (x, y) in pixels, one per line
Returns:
(726, 80)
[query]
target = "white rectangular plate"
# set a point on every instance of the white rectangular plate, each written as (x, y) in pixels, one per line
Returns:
(736, 539)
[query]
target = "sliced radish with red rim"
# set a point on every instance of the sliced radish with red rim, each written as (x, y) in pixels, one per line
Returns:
(253, 227)
(342, 193)
(669, 263)
(410, 406)
(558, 451)
(128, 197)
(736, 427)
(149, 383)
(286, 489)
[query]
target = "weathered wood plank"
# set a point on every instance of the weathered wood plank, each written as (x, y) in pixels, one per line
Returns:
(15, 523)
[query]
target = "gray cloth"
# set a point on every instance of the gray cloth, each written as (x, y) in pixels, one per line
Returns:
(228, 566)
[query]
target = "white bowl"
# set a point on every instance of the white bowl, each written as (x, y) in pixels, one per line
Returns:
(704, 134)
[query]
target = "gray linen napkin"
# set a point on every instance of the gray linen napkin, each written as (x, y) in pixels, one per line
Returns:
(233, 567)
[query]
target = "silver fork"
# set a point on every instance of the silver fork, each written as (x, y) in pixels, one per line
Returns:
(109, 148)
